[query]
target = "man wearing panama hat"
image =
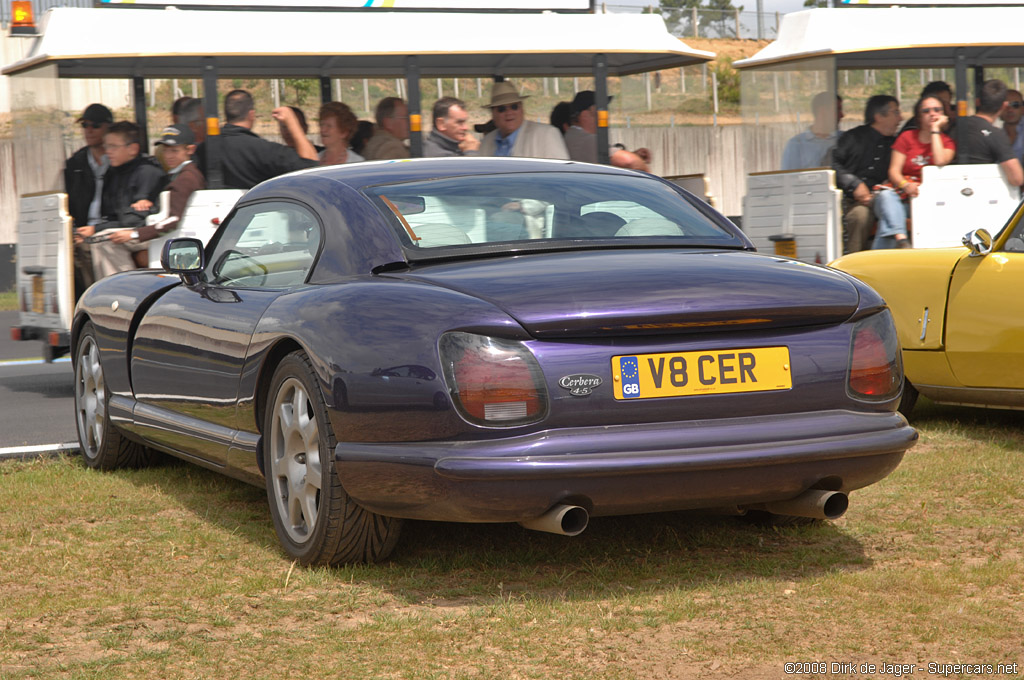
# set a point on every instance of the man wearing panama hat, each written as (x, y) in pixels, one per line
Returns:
(513, 134)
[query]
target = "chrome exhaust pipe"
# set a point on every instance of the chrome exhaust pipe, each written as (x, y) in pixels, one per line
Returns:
(814, 503)
(567, 520)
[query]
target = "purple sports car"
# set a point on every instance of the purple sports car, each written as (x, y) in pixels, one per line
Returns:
(489, 340)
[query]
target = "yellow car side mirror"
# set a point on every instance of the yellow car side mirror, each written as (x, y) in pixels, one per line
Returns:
(979, 242)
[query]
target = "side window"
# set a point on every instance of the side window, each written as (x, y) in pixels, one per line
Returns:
(266, 245)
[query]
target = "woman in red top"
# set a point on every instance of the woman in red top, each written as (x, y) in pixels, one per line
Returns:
(912, 150)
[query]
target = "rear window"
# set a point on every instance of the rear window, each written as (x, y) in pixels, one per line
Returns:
(533, 209)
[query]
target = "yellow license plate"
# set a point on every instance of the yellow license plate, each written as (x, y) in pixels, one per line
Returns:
(720, 371)
(38, 297)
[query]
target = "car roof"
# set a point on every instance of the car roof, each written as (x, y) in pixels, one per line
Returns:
(370, 173)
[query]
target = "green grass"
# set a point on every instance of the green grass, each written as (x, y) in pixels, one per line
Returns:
(175, 572)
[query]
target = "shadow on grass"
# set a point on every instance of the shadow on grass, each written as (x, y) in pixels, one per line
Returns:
(928, 414)
(477, 563)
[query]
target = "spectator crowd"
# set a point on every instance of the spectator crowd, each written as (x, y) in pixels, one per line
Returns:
(879, 164)
(114, 186)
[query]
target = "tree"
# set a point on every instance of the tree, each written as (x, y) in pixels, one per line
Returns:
(302, 89)
(715, 18)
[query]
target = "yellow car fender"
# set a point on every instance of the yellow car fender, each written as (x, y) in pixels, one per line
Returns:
(914, 283)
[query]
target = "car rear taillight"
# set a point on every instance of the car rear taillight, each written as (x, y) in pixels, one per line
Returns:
(876, 370)
(493, 382)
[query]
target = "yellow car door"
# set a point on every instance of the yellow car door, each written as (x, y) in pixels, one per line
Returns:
(985, 320)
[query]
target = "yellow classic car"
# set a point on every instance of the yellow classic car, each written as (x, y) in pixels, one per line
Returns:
(959, 314)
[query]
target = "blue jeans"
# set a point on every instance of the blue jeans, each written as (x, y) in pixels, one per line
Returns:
(892, 218)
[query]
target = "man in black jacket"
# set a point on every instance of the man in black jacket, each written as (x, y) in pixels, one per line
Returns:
(131, 190)
(246, 158)
(861, 161)
(83, 183)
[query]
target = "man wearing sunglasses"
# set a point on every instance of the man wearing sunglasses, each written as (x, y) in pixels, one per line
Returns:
(83, 183)
(1013, 121)
(513, 134)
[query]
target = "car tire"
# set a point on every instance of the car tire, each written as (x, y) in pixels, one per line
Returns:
(103, 446)
(316, 521)
(908, 400)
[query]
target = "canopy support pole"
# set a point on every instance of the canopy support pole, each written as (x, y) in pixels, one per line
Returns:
(139, 100)
(325, 89)
(601, 100)
(412, 80)
(961, 95)
(214, 174)
(833, 87)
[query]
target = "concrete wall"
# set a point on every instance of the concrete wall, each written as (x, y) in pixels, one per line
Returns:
(8, 194)
(710, 151)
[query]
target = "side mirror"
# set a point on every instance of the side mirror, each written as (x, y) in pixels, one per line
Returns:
(184, 257)
(979, 242)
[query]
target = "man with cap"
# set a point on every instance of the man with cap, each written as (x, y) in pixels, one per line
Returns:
(185, 178)
(513, 134)
(581, 137)
(83, 183)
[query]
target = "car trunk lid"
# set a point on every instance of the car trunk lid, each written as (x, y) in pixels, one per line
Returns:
(588, 293)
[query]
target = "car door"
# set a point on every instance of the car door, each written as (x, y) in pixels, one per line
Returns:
(190, 347)
(984, 332)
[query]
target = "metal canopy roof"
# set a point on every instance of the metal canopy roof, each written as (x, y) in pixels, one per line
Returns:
(91, 43)
(896, 37)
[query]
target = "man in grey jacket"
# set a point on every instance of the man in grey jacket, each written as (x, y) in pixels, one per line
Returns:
(450, 136)
(516, 136)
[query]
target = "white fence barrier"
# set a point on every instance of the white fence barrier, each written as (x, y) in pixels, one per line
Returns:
(800, 208)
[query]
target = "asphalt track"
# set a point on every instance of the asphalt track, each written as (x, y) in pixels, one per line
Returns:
(37, 413)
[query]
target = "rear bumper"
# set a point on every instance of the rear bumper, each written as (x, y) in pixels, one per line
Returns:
(626, 469)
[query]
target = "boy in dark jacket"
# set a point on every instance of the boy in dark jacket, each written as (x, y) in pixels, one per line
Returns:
(131, 190)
